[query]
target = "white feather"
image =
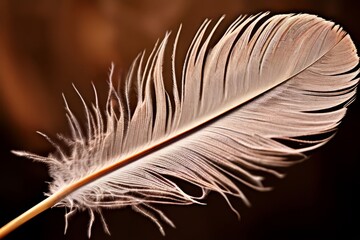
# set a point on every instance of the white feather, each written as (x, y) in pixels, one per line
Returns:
(263, 96)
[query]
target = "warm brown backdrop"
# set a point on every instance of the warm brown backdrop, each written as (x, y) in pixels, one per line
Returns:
(47, 45)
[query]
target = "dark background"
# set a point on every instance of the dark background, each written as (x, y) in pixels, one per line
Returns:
(45, 46)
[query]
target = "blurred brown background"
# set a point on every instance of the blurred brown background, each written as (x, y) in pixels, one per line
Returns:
(47, 45)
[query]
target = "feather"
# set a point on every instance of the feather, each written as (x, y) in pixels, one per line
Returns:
(271, 90)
